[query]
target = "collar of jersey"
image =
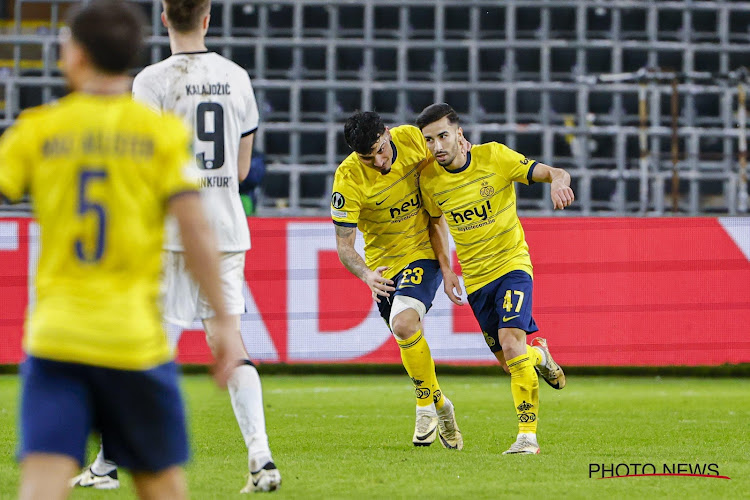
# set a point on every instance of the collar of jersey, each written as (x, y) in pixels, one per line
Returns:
(466, 165)
(395, 153)
(192, 53)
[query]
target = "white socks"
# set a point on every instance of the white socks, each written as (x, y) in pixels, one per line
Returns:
(544, 356)
(102, 467)
(427, 410)
(247, 402)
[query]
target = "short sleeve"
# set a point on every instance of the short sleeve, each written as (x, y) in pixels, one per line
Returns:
(145, 92)
(176, 159)
(513, 165)
(250, 123)
(15, 161)
(345, 201)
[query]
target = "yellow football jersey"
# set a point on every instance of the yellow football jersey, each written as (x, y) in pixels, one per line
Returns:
(100, 171)
(479, 204)
(386, 208)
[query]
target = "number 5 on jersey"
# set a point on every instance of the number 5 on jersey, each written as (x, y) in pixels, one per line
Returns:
(209, 127)
(87, 207)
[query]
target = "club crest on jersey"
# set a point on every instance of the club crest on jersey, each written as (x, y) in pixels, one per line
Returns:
(489, 339)
(486, 190)
(337, 200)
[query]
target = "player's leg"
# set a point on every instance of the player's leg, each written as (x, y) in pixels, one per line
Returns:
(55, 421)
(546, 367)
(244, 386)
(143, 427)
(45, 475)
(501, 359)
(179, 296)
(100, 475)
(406, 326)
(503, 310)
(415, 289)
(513, 302)
(167, 484)
(246, 396)
(524, 386)
(544, 364)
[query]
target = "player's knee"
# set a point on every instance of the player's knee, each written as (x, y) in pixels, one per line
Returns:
(406, 324)
(511, 339)
(406, 316)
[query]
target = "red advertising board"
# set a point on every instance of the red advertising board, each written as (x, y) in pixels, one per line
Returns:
(607, 291)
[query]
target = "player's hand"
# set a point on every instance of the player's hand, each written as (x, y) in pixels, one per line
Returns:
(451, 284)
(379, 286)
(562, 195)
(227, 348)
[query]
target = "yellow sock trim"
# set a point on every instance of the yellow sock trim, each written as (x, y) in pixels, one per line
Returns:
(536, 357)
(415, 354)
(524, 385)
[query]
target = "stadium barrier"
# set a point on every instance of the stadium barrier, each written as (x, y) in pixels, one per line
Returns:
(608, 292)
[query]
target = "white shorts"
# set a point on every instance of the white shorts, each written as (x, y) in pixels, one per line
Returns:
(182, 298)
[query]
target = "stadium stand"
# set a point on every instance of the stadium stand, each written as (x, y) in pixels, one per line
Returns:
(520, 72)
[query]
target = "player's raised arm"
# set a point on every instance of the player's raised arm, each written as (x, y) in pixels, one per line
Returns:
(440, 244)
(202, 260)
(562, 194)
(350, 258)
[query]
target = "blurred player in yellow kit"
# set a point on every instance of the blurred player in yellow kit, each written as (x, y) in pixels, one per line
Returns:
(103, 172)
(475, 193)
(215, 99)
(376, 189)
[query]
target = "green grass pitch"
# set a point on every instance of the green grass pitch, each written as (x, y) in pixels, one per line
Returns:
(350, 437)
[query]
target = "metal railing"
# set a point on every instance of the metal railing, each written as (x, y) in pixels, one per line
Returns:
(519, 72)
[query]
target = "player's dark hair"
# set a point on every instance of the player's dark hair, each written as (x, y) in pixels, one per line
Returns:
(435, 112)
(186, 15)
(111, 33)
(362, 130)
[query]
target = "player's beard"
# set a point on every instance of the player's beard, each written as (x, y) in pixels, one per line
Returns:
(451, 155)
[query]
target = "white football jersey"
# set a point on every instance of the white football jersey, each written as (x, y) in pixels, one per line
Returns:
(216, 100)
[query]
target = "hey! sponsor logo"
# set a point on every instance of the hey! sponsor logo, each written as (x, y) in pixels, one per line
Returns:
(478, 213)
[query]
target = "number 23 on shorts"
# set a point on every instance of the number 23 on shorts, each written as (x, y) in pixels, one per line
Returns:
(411, 277)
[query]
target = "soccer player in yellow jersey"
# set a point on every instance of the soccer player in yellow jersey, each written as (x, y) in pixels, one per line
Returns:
(102, 172)
(474, 191)
(215, 99)
(376, 189)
